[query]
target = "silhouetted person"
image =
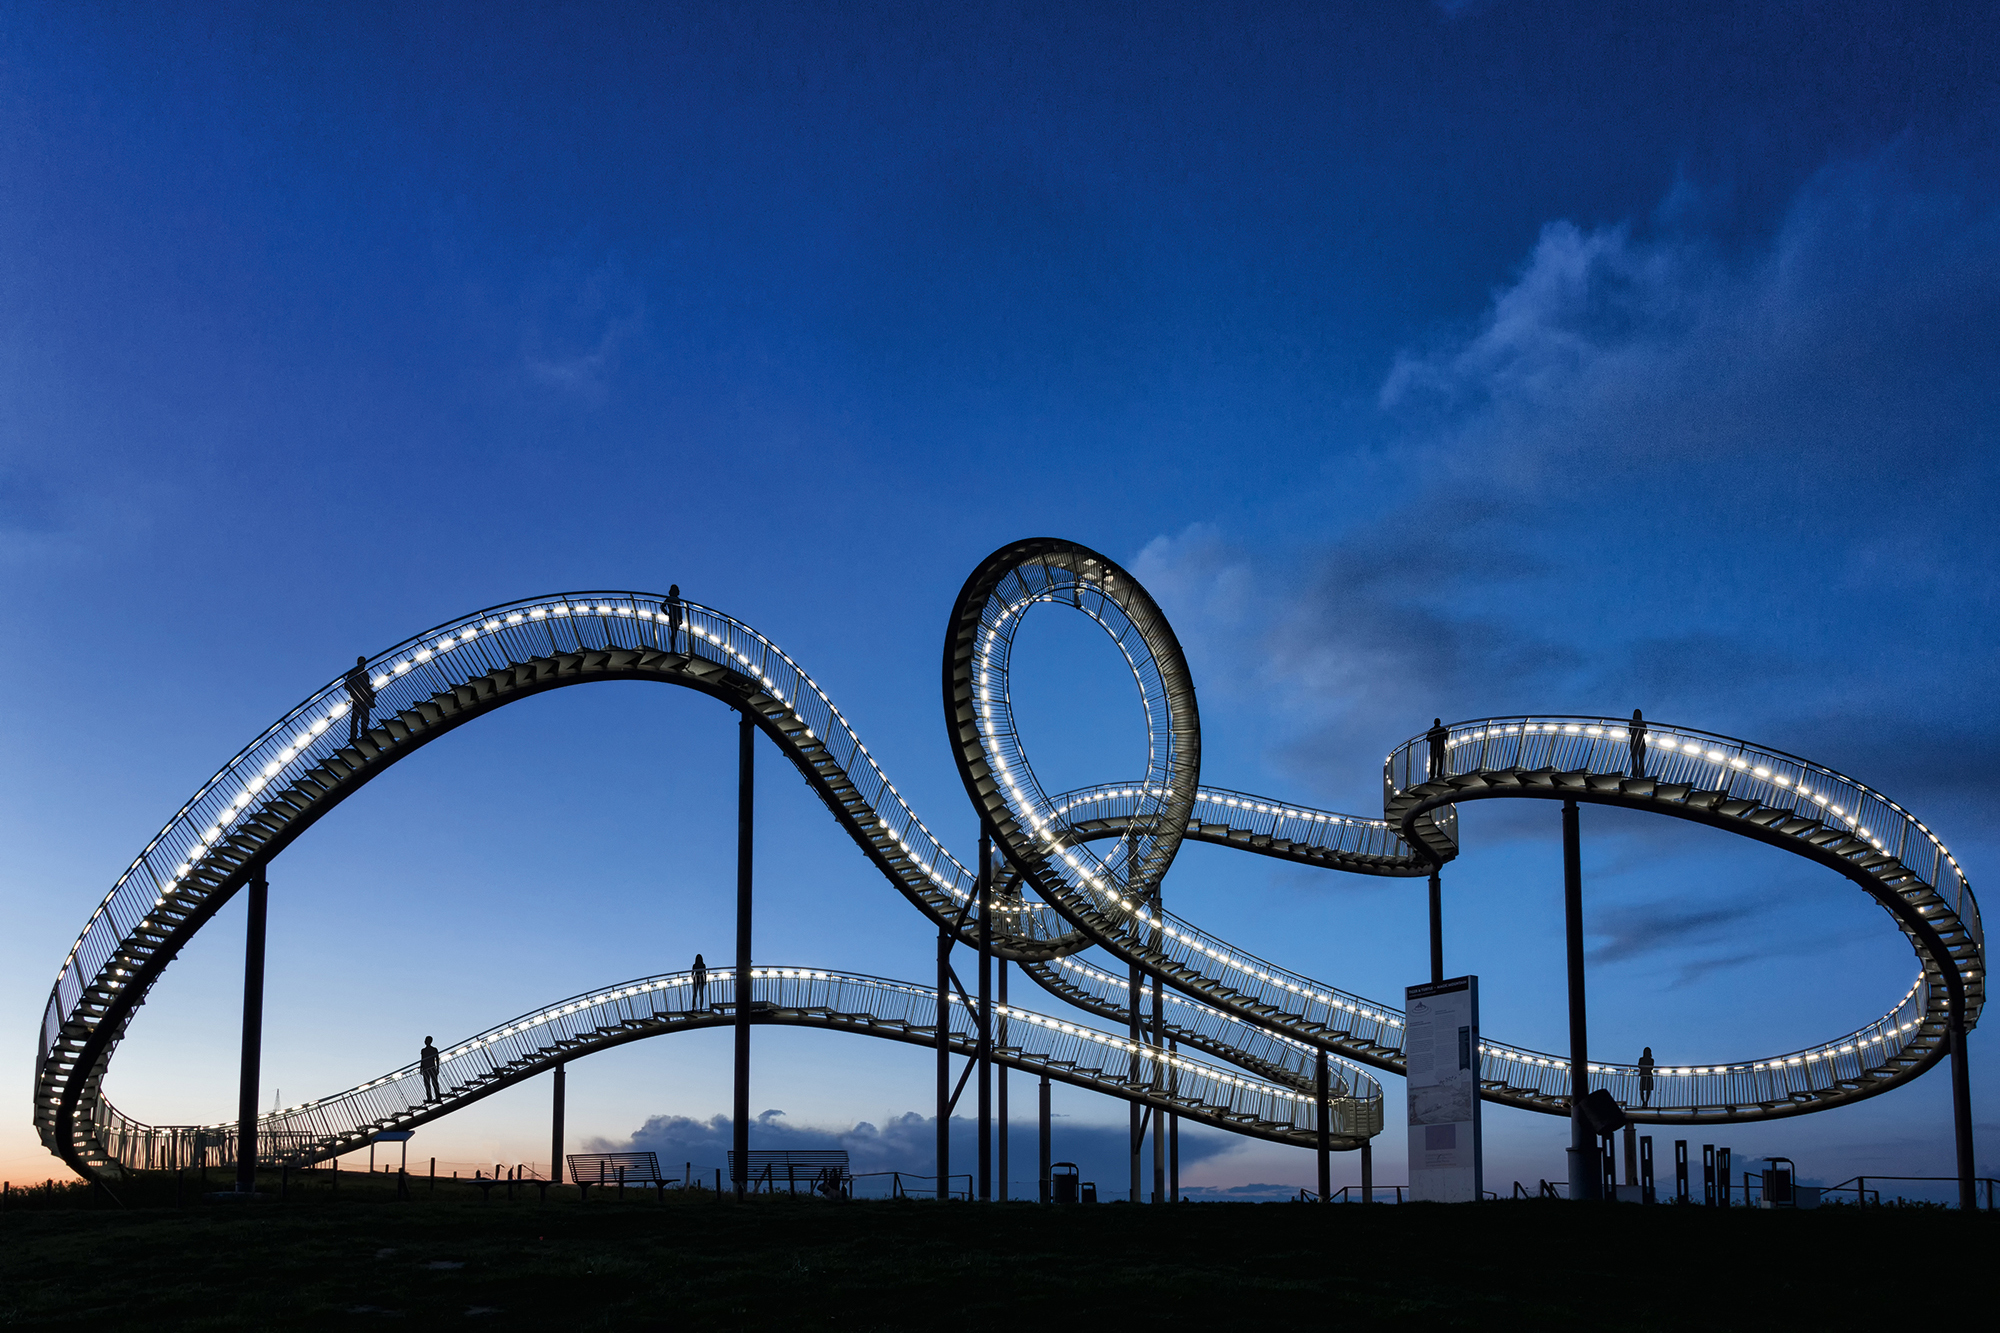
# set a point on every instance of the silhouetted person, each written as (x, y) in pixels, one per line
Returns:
(428, 1063)
(1646, 1078)
(1437, 736)
(699, 975)
(360, 700)
(1638, 744)
(676, 619)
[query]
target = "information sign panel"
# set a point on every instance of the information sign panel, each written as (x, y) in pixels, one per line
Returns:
(1441, 1048)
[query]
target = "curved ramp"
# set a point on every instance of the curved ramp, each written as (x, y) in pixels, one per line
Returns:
(1241, 1008)
(797, 997)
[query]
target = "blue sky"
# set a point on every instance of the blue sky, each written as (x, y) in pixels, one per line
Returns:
(1422, 359)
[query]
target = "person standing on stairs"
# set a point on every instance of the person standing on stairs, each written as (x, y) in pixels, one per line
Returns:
(1437, 736)
(698, 974)
(1646, 1077)
(676, 619)
(427, 1062)
(360, 700)
(1637, 735)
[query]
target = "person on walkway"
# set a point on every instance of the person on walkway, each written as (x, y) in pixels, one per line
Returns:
(676, 619)
(699, 975)
(1437, 736)
(1646, 1078)
(360, 700)
(427, 1062)
(1638, 744)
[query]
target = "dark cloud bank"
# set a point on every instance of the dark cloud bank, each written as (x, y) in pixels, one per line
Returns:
(908, 1143)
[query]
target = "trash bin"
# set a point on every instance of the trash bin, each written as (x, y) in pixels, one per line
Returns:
(1063, 1182)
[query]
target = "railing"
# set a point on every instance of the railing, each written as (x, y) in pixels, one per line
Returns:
(1107, 995)
(434, 662)
(1863, 1193)
(1688, 758)
(1705, 760)
(1368, 1194)
(1352, 837)
(899, 1190)
(1110, 1062)
(203, 852)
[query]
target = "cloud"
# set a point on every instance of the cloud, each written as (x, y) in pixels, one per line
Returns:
(1636, 931)
(1735, 486)
(906, 1143)
(1840, 338)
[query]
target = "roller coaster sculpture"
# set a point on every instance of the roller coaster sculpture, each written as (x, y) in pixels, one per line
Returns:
(1081, 869)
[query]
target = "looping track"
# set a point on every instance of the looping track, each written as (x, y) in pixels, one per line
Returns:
(1094, 861)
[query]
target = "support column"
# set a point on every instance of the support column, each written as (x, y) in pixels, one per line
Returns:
(1047, 1188)
(1325, 1127)
(944, 1065)
(1437, 929)
(1368, 1171)
(253, 1032)
(1961, 1110)
(1586, 1179)
(985, 1047)
(1001, 1090)
(1132, 1075)
(1159, 1125)
(556, 1132)
(746, 800)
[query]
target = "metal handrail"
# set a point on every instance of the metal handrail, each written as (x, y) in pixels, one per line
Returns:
(648, 1006)
(430, 682)
(1678, 758)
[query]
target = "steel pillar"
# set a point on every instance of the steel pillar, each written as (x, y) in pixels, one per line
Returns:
(1368, 1171)
(1586, 1179)
(1437, 929)
(1138, 1115)
(746, 799)
(1000, 1092)
(556, 1131)
(253, 1032)
(944, 1065)
(1046, 1187)
(1961, 1112)
(1159, 1138)
(985, 1046)
(1325, 1124)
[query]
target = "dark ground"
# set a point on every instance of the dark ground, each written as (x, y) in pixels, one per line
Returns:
(360, 1258)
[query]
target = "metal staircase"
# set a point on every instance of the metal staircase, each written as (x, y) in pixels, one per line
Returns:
(1081, 868)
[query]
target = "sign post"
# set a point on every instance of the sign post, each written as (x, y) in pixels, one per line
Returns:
(1441, 1047)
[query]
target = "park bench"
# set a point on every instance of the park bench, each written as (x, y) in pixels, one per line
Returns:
(814, 1168)
(617, 1168)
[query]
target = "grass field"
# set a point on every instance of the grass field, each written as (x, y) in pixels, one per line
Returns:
(359, 1257)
